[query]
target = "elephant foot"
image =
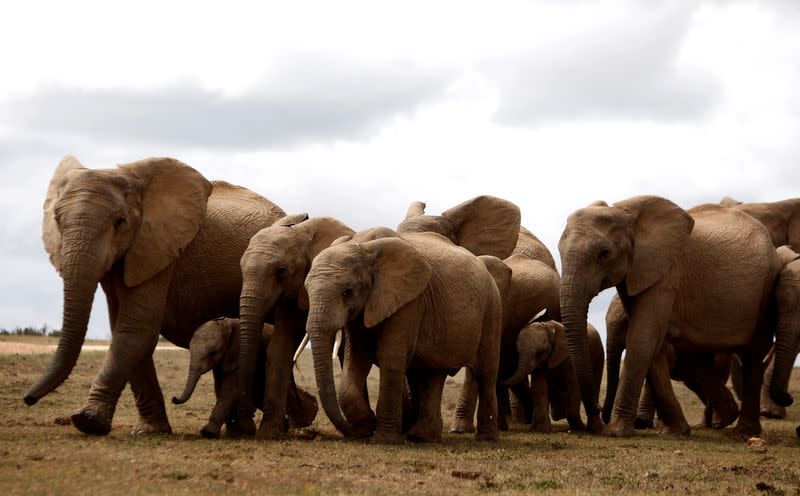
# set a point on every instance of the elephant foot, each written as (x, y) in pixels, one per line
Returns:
(747, 428)
(461, 426)
(426, 432)
(502, 423)
(301, 409)
(617, 428)
(272, 429)
(211, 431)
(488, 435)
(542, 427)
(151, 427)
(595, 425)
(383, 437)
(93, 421)
(576, 425)
(773, 411)
(643, 423)
(721, 420)
(681, 429)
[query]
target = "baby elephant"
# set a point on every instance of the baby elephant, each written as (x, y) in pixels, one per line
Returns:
(543, 353)
(215, 346)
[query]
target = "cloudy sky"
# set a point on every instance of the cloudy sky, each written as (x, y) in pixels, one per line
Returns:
(354, 109)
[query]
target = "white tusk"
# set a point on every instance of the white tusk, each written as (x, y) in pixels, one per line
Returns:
(300, 348)
(541, 312)
(337, 344)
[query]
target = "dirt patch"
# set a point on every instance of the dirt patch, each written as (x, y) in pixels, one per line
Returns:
(16, 348)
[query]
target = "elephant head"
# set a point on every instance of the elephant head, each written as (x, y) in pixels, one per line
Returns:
(274, 267)
(781, 218)
(630, 245)
(369, 280)
(539, 344)
(140, 215)
(212, 344)
(485, 225)
(787, 332)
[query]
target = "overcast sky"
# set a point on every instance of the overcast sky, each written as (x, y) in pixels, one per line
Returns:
(354, 109)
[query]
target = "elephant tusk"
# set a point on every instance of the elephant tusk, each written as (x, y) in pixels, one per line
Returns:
(337, 344)
(769, 356)
(300, 348)
(538, 314)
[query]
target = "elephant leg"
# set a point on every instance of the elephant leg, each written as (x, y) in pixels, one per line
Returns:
(467, 401)
(503, 407)
(301, 407)
(353, 393)
(737, 378)
(289, 330)
(541, 406)
(393, 354)
(752, 373)
(428, 426)
(701, 375)
(664, 397)
(521, 403)
(149, 400)
(224, 411)
(646, 412)
(768, 408)
(572, 402)
(646, 331)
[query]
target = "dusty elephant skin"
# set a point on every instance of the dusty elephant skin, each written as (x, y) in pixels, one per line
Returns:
(526, 286)
(164, 243)
(273, 269)
(419, 308)
(782, 219)
(543, 353)
(215, 346)
(705, 374)
(703, 279)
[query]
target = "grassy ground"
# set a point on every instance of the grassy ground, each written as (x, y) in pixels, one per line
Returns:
(40, 456)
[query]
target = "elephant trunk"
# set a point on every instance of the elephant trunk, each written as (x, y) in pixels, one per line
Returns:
(252, 307)
(574, 311)
(191, 382)
(787, 339)
(522, 372)
(322, 348)
(80, 283)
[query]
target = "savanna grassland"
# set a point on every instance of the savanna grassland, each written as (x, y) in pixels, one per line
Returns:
(39, 454)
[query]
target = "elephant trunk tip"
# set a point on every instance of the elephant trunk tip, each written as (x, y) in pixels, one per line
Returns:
(178, 401)
(781, 398)
(30, 399)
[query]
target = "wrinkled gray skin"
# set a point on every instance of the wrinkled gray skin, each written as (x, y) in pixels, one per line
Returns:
(704, 374)
(543, 354)
(273, 269)
(526, 286)
(418, 307)
(215, 346)
(702, 279)
(782, 220)
(164, 243)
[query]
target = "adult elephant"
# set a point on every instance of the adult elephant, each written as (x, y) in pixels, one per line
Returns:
(164, 243)
(530, 286)
(782, 219)
(702, 279)
(273, 270)
(705, 374)
(418, 307)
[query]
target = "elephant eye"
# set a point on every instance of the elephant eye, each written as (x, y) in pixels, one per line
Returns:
(280, 271)
(603, 254)
(347, 293)
(119, 223)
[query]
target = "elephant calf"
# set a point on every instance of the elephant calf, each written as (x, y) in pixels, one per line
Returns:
(215, 346)
(543, 353)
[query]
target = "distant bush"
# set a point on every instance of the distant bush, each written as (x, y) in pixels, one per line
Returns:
(31, 331)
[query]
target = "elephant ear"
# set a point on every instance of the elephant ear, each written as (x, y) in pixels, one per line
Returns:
(560, 348)
(400, 274)
(597, 203)
(501, 273)
(661, 230)
(324, 232)
(174, 199)
(787, 255)
(302, 298)
(486, 225)
(342, 239)
(291, 220)
(416, 208)
(50, 233)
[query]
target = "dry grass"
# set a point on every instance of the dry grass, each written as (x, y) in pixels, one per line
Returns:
(40, 456)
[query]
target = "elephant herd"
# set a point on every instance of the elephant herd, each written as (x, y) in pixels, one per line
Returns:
(220, 270)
